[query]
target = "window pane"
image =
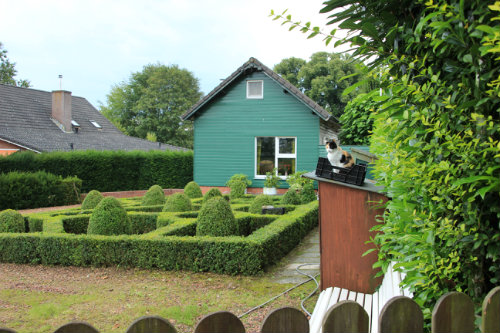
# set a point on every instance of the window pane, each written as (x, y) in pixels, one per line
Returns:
(286, 166)
(265, 155)
(287, 146)
(254, 89)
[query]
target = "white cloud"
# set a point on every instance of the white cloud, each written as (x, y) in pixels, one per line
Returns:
(96, 44)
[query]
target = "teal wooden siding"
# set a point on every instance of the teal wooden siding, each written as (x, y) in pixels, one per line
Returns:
(225, 131)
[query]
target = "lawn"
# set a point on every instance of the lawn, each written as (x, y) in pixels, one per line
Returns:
(35, 298)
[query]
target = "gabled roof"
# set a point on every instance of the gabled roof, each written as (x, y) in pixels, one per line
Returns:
(254, 65)
(25, 120)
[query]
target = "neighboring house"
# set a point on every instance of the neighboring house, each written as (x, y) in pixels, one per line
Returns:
(42, 121)
(254, 121)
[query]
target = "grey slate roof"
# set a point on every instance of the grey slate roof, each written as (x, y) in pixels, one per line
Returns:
(255, 65)
(25, 120)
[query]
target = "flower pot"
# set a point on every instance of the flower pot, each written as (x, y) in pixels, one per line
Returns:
(269, 190)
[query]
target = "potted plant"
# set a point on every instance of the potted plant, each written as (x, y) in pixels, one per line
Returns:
(271, 183)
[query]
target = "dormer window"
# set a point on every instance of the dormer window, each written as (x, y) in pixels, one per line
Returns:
(255, 89)
(95, 123)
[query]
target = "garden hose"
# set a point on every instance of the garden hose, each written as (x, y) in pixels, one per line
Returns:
(289, 289)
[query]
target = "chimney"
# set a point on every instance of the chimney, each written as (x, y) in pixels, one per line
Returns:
(61, 109)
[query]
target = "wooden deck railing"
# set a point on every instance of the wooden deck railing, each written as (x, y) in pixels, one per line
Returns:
(454, 312)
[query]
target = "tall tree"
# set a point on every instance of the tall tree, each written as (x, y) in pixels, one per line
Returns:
(8, 71)
(152, 101)
(321, 78)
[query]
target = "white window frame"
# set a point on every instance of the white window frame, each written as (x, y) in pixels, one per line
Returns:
(261, 96)
(277, 154)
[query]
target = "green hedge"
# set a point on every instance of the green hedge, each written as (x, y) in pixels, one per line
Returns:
(21, 190)
(107, 171)
(227, 255)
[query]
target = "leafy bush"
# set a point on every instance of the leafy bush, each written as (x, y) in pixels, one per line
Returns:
(307, 193)
(272, 180)
(357, 120)
(109, 218)
(436, 133)
(107, 171)
(258, 202)
(20, 190)
(11, 221)
(216, 219)
(296, 181)
(238, 184)
(92, 199)
(193, 190)
(213, 192)
(178, 202)
(154, 196)
(291, 197)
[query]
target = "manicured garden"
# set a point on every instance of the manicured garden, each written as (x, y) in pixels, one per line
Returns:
(214, 233)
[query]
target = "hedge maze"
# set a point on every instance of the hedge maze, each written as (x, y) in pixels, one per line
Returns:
(163, 240)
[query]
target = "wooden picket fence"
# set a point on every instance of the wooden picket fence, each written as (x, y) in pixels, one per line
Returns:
(454, 312)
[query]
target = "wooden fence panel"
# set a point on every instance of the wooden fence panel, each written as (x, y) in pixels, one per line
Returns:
(151, 324)
(491, 312)
(220, 322)
(346, 316)
(285, 320)
(77, 327)
(453, 312)
(401, 314)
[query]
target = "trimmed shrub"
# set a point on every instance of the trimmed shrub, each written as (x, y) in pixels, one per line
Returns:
(193, 190)
(109, 218)
(291, 197)
(154, 196)
(238, 184)
(307, 194)
(108, 171)
(213, 192)
(20, 190)
(11, 221)
(178, 202)
(216, 219)
(258, 202)
(92, 199)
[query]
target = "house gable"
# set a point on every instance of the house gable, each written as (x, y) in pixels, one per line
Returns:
(225, 132)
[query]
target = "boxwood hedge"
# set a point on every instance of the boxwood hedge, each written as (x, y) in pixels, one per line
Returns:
(169, 246)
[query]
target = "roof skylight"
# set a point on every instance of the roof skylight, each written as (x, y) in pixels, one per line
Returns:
(95, 123)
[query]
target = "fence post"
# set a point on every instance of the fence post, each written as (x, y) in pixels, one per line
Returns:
(401, 314)
(346, 316)
(220, 322)
(491, 312)
(285, 320)
(151, 324)
(453, 312)
(76, 327)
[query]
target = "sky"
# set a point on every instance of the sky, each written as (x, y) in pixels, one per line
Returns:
(97, 44)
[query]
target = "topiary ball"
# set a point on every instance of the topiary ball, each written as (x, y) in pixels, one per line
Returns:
(213, 192)
(216, 219)
(154, 196)
(193, 190)
(109, 218)
(258, 202)
(178, 202)
(92, 199)
(307, 194)
(11, 221)
(291, 197)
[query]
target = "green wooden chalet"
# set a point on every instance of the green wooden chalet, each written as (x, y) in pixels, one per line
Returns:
(254, 121)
